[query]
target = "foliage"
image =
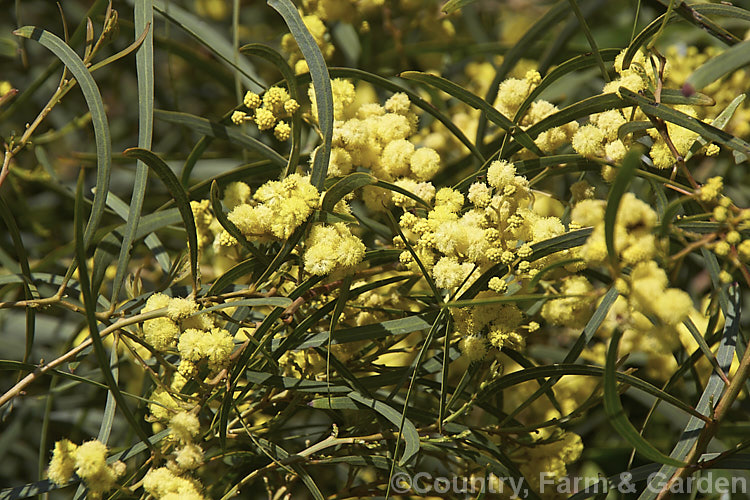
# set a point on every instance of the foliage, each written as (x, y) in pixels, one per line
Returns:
(315, 250)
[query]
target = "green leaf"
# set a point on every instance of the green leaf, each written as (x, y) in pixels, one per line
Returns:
(628, 128)
(345, 186)
(375, 331)
(711, 394)
(719, 122)
(152, 241)
(232, 275)
(105, 429)
(686, 121)
(557, 371)
(577, 63)
(616, 413)
(213, 129)
(178, 193)
(144, 21)
(254, 302)
(475, 102)
(321, 81)
(589, 330)
(409, 433)
(90, 308)
(621, 183)
(195, 154)
(98, 118)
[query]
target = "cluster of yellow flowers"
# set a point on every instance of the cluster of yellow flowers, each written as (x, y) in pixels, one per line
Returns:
(453, 238)
(174, 480)
(196, 335)
(267, 111)
(370, 136)
(89, 462)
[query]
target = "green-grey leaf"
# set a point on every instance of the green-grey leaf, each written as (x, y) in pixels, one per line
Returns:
(98, 118)
(345, 186)
(410, 434)
(616, 413)
(178, 193)
(213, 129)
(475, 102)
(321, 84)
(686, 121)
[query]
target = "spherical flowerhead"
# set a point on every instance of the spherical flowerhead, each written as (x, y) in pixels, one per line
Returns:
(236, 193)
(156, 301)
(474, 347)
(160, 333)
(180, 308)
(332, 248)
(63, 462)
(264, 119)
(251, 100)
(398, 103)
(189, 457)
(425, 163)
(589, 141)
(274, 99)
(91, 457)
(282, 131)
(238, 117)
(450, 199)
(448, 273)
(500, 173)
(185, 426)
(396, 157)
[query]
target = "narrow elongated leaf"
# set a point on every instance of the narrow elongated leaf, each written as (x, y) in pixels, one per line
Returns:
(409, 432)
(152, 241)
(321, 81)
(90, 307)
(686, 121)
(144, 20)
(580, 344)
(452, 6)
(711, 394)
(475, 102)
(213, 129)
(178, 193)
(557, 371)
(616, 413)
(231, 276)
(719, 122)
(345, 186)
(105, 429)
(98, 118)
(254, 302)
(621, 183)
